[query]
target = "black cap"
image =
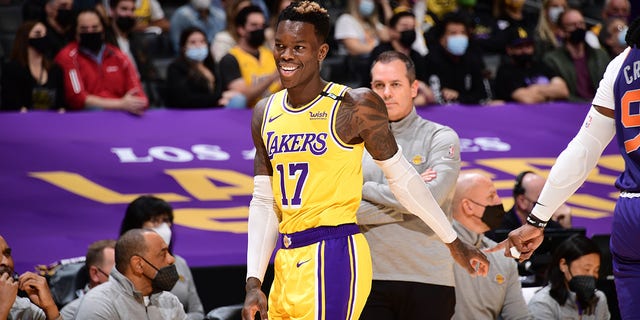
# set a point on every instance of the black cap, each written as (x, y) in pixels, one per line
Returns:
(517, 36)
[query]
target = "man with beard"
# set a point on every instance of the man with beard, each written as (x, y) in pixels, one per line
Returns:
(98, 75)
(577, 63)
(522, 79)
(139, 285)
(38, 306)
(249, 67)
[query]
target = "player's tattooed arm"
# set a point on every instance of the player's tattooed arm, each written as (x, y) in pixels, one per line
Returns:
(363, 117)
(261, 163)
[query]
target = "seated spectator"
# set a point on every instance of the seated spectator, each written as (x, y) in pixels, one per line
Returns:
(99, 262)
(571, 291)
(580, 65)
(612, 36)
(508, 13)
(197, 13)
(138, 285)
(192, 81)
(402, 31)
(249, 67)
(122, 22)
(150, 17)
(39, 304)
(156, 214)
(454, 68)
(29, 79)
(228, 38)
(98, 75)
(358, 31)
(526, 191)
(477, 208)
(521, 78)
(547, 35)
(59, 23)
(613, 9)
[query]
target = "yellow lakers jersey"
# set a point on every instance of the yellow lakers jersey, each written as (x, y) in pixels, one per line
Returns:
(255, 70)
(317, 178)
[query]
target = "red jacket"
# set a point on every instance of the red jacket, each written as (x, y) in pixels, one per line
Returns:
(83, 76)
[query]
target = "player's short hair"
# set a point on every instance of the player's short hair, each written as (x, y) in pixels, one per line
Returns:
(633, 34)
(309, 12)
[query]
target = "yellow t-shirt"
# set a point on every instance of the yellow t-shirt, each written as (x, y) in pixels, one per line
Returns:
(317, 178)
(255, 70)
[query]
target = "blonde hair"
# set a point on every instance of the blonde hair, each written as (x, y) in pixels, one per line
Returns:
(544, 29)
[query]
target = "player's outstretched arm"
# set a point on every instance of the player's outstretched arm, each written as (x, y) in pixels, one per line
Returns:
(364, 118)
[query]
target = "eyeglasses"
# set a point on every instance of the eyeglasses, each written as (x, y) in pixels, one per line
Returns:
(101, 271)
(482, 205)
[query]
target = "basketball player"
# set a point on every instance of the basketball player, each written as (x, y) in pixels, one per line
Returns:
(309, 141)
(614, 110)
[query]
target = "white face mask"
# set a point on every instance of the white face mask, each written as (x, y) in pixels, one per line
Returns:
(554, 13)
(164, 231)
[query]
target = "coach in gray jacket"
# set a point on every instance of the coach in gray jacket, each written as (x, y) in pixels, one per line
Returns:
(138, 285)
(477, 208)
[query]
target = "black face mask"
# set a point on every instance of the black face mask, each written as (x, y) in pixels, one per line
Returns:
(42, 44)
(522, 59)
(165, 279)
(256, 38)
(125, 24)
(64, 17)
(493, 215)
(577, 36)
(585, 289)
(407, 38)
(91, 41)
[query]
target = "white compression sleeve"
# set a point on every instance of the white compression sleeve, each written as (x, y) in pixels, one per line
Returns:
(575, 163)
(263, 228)
(413, 194)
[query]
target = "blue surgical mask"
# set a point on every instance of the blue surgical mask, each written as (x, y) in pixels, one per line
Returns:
(366, 8)
(622, 35)
(554, 13)
(197, 53)
(457, 44)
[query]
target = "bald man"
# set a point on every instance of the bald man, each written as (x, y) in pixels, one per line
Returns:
(476, 209)
(38, 306)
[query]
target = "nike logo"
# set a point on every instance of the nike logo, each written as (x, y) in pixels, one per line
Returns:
(274, 118)
(302, 262)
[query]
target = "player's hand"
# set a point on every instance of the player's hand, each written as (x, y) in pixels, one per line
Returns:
(525, 240)
(8, 291)
(254, 301)
(469, 257)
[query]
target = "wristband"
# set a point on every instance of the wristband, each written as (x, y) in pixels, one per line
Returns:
(535, 221)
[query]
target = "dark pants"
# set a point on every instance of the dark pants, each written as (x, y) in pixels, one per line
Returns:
(404, 300)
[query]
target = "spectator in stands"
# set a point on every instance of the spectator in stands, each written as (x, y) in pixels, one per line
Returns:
(577, 63)
(612, 36)
(139, 283)
(59, 23)
(156, 214)
(38, 305)
(249, 67)
(526, 191)
(548, 35)
(98, 75)
(571, 292)
(99, 262)
(150, 17)
(29, 79)
(410, 262)
(476, 209)
(402, 31)
(196, 13)
(192, 80)
(620, 9)
(358, 31)
(454, 68)
(508, 13)
(122, 22)
(228, 38)
(521, 78)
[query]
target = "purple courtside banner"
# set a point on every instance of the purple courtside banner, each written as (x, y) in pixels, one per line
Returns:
(67, 178)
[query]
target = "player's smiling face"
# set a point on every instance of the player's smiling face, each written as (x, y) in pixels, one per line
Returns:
(297, 52)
